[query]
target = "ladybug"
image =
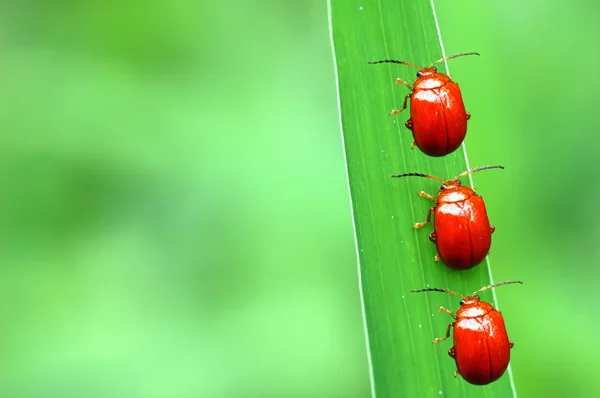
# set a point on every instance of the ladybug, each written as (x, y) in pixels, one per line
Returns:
(481, 346)
(438, 119)
(462, 232)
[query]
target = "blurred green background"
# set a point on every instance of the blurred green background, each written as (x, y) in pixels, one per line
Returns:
(175, 215)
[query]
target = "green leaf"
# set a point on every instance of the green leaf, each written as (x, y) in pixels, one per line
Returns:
(394, 258)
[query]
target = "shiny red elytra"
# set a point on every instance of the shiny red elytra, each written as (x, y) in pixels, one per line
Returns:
(438, 118)
(481, 346)
(462, 232)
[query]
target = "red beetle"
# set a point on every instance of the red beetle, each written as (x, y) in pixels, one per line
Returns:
(438, 118)
(462, 232)
(481, 346)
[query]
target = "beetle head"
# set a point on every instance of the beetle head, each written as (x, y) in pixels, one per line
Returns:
(427, 72)
(469, 300)
(452, 184)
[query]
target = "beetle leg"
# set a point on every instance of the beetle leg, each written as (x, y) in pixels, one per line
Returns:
(456, 373)
(397, 111)
(442, 309)
(452, 353)
(427, 221)
(424, 194)
(432, 239)
(437, 340)
(436, 258)
(492, 229)
(511, 344)
(408, 125)
(468, 115)
(400, 81)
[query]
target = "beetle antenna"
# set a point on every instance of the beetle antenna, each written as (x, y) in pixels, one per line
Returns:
(476, 170)
(393, 61)
(417, 175)
(496, 285)
(451, 56)
(435, 289)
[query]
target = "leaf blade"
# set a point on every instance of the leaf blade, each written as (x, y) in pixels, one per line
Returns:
(394, 259)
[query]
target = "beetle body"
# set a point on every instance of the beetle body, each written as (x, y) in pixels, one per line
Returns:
(462, 232)
(438, 119)
(481, 346)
